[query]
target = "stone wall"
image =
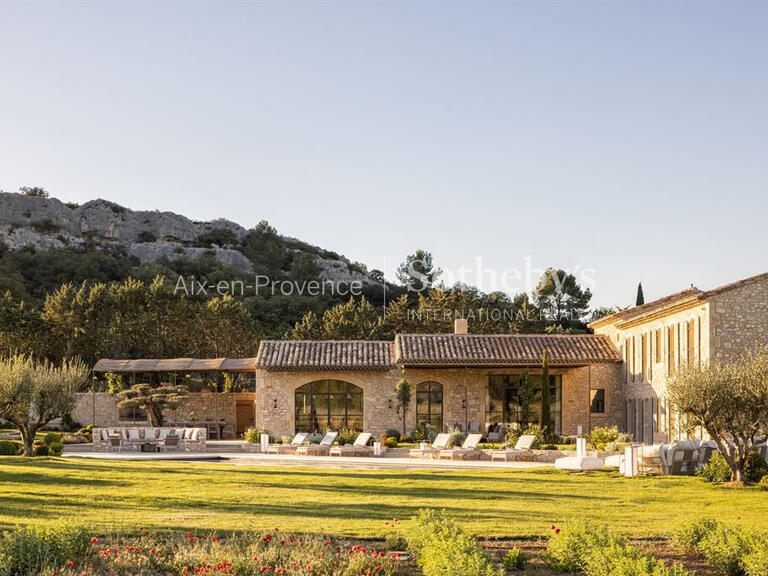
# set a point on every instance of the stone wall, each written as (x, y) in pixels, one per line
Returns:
(199, 407)
(649, 391)
(739, 320)
(464, 396)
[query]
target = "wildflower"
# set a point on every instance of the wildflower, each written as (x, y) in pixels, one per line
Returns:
(255, 558)
(94, 540)
(70, 564)
(557, 530)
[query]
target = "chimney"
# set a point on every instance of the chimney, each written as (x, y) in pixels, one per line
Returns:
(460, 326)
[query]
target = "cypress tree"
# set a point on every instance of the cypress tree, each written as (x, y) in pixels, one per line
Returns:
(640, 298)
(546, 415)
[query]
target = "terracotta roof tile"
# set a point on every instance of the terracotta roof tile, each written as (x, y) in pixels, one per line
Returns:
(324, 355)
(503, 349)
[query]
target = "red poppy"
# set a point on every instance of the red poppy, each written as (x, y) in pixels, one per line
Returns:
(94, 540)
(70, 564)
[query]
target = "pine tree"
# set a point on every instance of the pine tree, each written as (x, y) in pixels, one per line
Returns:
(640, 298)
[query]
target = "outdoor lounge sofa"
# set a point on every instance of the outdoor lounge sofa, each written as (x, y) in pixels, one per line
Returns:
(297, 441)
(321, 449)
(147, 438)
(440, 442)
(358, 448)
(467, 451)
(523, 450)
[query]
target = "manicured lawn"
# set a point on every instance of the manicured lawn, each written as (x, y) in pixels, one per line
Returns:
(127, 496)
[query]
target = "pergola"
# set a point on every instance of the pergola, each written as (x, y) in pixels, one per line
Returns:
(174, 365)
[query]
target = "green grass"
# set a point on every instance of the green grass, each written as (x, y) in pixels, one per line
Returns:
(182, 495)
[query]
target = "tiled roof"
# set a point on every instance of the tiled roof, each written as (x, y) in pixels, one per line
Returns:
(684, 297)
(324, 355)
(503, 349)
(689, 295)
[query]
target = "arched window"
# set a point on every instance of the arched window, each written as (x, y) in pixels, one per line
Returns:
(429, 404)
(329, 404)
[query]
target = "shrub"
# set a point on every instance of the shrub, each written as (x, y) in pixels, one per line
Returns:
(756, 563)
(347, 436)
(422, 433)
(603, 437)
(515, 559)
(763, 484)
(392, 433)
(406, 439)
(624, 560)
(569, 550)
(390, 442)
(8, 448)
(441, 547)
(716, 470)
(687, 536)
(724, 547)
(395, 542)
(52, 438)
(40, 450)
(30, 549)
(253, 435)
(456, 437)
(755, 467)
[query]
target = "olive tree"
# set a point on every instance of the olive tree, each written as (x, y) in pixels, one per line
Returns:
(729, 400)
(153, 400)
(32, 392)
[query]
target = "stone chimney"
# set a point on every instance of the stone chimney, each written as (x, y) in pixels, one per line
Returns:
(460, 326)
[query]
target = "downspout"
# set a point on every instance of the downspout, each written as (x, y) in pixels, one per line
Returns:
(589, 404)
(466, 402)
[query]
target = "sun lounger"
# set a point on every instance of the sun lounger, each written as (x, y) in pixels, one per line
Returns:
(523, 450)
(441, 440)
(467, 451)
(358, 448)
(297, 441)
(321, 449)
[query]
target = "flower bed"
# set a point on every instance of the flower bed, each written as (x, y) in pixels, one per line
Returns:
(68, 550)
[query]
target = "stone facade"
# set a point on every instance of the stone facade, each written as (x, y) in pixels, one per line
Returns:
(691, 327)
(200, 407)
(464, 395)
(738, 320)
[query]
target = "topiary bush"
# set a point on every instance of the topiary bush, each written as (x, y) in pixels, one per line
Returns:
(717, 470)
(515, 559)
(392, 433)
(755, 467)
(441, 547)
(9, 448)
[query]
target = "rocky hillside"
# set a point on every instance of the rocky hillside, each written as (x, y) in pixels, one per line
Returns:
(150, 236)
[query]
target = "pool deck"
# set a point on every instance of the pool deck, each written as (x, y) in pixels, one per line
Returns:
(233, 452)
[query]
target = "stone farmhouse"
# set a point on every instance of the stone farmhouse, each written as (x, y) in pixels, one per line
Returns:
(616, 376)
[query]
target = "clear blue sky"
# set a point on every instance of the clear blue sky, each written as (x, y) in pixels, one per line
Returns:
(626, 138)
